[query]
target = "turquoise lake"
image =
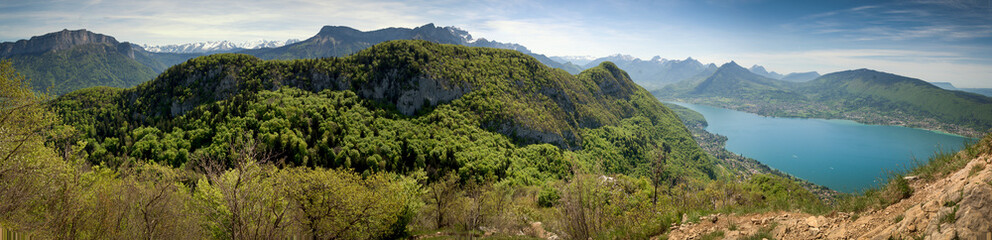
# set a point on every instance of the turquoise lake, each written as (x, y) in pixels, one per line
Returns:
(843, 155)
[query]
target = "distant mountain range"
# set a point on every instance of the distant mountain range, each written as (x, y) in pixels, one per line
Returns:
(800, 77)
(211, 47)
(650, 74)
(944, 85)
(791, 77)
(64, 61)
(949, 86)
(338, 41)
(67, 60)
(761, 71)
(863, 95)
(982, 91)
(577, 60)
(658, 72)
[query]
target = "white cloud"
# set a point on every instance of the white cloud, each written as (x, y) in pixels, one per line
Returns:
(901, 21)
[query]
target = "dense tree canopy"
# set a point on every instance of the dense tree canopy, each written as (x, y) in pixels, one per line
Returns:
(231, 147)
(350, 112)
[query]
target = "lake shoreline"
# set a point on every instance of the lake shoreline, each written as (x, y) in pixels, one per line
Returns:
(714, 145)
(907, 121)
(867, 150)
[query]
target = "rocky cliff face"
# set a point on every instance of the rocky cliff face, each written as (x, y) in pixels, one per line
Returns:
(510, 92)
(227, 79)
(60, 40)
(428, 32)
(958, 206)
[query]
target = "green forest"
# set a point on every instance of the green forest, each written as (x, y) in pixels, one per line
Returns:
(82, 66)
(406, 138)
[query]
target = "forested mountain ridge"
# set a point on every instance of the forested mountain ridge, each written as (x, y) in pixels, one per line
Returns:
(74, 59)
(489, 90)
(55, 41)
(63, 61)
(862, 95)
(730, 79)
(886, 92)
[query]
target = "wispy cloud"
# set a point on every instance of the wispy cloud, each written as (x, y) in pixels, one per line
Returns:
(920, 20)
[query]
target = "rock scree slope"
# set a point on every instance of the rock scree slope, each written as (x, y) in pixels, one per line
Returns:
(957, 206)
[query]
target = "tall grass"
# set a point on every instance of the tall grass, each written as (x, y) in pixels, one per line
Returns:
(763, 233)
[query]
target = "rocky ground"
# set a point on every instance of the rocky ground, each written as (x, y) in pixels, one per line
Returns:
(959, 206)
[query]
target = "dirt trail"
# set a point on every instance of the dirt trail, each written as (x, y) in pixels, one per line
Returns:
(927, 214)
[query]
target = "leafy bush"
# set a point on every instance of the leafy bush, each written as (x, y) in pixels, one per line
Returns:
(784, 194)
(897, 189)
(548, 197)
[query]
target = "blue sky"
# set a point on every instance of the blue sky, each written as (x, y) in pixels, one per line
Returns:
(929, 39)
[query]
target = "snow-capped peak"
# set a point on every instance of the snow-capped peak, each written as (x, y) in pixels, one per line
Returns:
(464, 35)
(579, 58)
(216, 46)
(659, 59)
(622, 57)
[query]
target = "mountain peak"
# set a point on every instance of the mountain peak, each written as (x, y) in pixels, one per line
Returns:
(67, 60)
(731, 65)
(209, 47)
(610, 66)
(55, 41)
(428, 25)
(729, 79)
(944, 85)
(623, 57)
(329, 30)
(758, 69)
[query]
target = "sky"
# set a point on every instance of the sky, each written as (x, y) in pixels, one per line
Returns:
(934, 40)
